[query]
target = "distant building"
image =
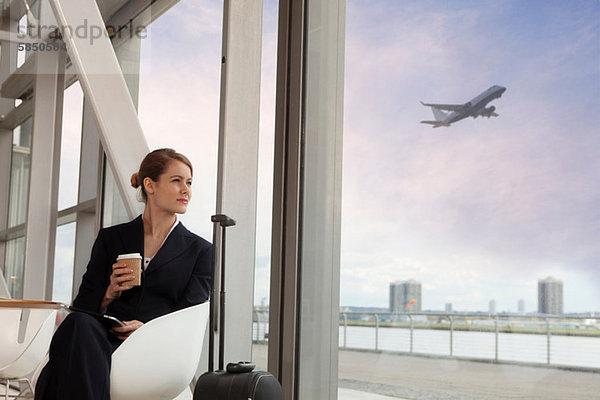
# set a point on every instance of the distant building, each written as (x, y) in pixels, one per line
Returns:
(550, 296)
(402, 293)
(492, 307)
(521, 307)
(448, 307)
(264, 302)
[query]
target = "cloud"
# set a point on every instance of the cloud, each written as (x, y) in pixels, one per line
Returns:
(499, 196)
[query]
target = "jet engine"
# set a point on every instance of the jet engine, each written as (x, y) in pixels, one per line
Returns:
(488, 112)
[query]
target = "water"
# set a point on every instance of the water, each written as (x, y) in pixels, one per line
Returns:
(564, 350)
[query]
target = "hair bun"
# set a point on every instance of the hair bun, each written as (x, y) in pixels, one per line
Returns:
(135, 180)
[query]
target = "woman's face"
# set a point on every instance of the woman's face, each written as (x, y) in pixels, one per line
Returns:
(173, 190)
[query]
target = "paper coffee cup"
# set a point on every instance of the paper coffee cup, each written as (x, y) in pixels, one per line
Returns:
(133, 262)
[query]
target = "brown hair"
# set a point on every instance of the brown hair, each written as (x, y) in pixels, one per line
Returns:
(154, 165)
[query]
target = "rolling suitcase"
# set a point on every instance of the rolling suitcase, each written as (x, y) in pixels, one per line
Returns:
(238, 380)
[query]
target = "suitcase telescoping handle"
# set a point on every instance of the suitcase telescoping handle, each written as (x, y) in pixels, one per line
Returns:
(221, 221)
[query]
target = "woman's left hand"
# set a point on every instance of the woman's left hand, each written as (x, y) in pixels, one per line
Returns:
(123, 332)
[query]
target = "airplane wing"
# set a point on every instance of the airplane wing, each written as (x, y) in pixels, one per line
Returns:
(446, 107)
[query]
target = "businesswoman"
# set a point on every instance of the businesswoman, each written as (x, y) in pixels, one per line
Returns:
(176, 274)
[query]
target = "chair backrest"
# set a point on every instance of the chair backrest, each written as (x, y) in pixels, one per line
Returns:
(159, 360)
(20, 358)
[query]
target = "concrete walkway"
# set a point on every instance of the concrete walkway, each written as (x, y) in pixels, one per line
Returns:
(378, 376)
(349, 394)
(413, 377)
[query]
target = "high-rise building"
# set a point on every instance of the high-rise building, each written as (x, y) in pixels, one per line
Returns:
(448, 307)
(492, 307)
(402, 294)
(550, 296)
(521, 307)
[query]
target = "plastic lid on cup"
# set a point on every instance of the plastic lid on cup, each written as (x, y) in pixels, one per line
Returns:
(129, 256)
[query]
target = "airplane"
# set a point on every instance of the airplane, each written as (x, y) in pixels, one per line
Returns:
(474, 108)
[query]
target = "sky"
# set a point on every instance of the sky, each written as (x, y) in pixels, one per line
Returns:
(477, 211)
(485, 208)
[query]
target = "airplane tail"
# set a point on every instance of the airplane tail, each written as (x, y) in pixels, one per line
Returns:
(438, 114)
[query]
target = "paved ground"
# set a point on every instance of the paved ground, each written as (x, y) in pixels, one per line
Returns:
(381, 376)
(349, 394)
(411, 377)
(343, 394)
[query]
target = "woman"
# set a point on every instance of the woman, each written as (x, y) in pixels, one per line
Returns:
(176, 274)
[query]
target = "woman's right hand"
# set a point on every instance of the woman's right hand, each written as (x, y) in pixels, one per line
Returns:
(119, 279)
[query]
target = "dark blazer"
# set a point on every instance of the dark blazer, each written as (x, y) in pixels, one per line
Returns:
(177, 277)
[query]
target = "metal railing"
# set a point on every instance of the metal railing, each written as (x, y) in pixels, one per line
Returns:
(537, 339)
(260, 326)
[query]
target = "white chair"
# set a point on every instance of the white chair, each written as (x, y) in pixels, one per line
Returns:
(158, 361)
(23, 346)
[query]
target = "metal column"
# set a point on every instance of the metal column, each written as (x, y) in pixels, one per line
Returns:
(43, 185)
(305, 256)
(283, 308)
(8, 63)
(237, 173)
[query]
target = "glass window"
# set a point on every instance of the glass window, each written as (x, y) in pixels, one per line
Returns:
(113, 211)
(19, 176)
(264, 212)
(68, 184)
(22, 54)
(64, 258)
(179, 97)
(28, 23)
(179, 78)
(14, 262)
(470, 218)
